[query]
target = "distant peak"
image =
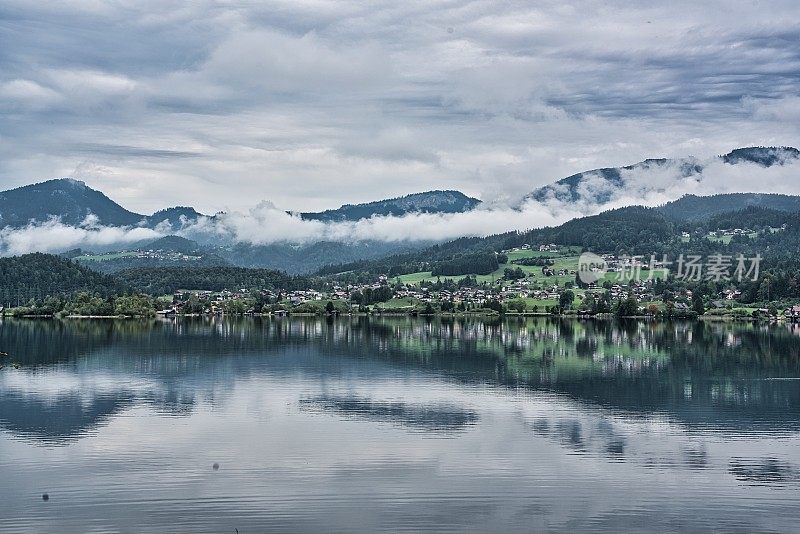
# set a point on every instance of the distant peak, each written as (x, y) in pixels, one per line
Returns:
(56, 182)
(74, 182)
(62, 182)
(67, 198)
(436, 201)
(762, 155)
(185, 210)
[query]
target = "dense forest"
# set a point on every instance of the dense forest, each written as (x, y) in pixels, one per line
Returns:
(477, 263)
(430, 202)
(114, 265)
(162, 281)
(695, 208)
(38, 275)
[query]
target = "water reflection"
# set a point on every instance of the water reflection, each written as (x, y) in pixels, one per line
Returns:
(764, 471)
(76, 374)
(398, 423)
(441, 419)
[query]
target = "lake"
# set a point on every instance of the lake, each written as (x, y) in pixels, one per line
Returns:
(391, 424)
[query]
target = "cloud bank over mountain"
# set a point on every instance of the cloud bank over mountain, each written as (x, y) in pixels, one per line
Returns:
(55, 236)
(651, 186)
(266, 223)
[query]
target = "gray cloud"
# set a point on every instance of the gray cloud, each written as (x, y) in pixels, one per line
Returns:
(312, 104)
(130, 151)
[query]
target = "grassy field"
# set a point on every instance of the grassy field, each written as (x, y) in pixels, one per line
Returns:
(397, 304)
(566, 259)
(542, 304)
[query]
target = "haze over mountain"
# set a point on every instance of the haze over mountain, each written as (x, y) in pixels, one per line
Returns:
(64, 214)
(174, 217)
(71, 201)
(603, 185)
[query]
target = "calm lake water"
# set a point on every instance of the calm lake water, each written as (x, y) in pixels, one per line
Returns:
(303, 424)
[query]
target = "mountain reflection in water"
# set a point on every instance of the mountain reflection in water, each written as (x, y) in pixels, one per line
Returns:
(393, 410)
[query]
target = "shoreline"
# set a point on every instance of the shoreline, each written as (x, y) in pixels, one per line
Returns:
(711, 318)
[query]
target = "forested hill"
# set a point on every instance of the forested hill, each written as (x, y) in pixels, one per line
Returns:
(35, 276)
(695, 208)
(174, 217)
(167, 280)
(71, 201)
(38, 275)
(427, 202)
(624, 231)
(602, 185)
(621, 229)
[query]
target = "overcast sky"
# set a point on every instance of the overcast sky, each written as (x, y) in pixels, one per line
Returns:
(311, 104)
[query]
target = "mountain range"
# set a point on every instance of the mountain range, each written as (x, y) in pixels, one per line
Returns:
(72, 201)
(427, 202)
(602, 185)
(75, 204)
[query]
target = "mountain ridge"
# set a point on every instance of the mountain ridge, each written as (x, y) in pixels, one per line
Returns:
(65, 198)
(435, 201)
(600, 184)
(626, 230)
(72, 200)
(694, 207)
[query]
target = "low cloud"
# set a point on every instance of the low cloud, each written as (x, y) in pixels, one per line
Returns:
(658, 185)
(650, 186)
(266, 223)
(55, 236)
